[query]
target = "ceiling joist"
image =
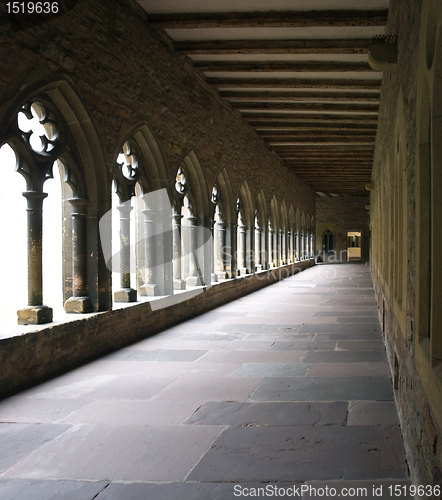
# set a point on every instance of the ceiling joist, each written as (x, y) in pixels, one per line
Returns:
(270, 19)
(227, 47)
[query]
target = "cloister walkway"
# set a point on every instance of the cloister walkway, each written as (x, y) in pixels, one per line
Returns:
(286, 387)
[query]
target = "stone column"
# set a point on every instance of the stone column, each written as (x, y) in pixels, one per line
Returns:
(213, 274)
(150, 288)
(126, 293)
(271, 263)
(194, 278)
(221, 257)
(283, 247)
(79, 302)
(289, 247)
(276, 247)
(258, 256)
(35, 313)
(242, 249)
(178, 282)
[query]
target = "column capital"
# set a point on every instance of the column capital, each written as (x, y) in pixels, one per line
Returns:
(124, 209)
(79, 205)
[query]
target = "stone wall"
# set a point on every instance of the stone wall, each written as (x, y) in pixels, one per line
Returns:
(340, 215)
(402, 207)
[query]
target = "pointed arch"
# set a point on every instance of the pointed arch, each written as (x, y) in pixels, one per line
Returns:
(74, 142)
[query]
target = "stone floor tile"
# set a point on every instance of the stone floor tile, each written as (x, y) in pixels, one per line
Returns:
(349, 370)
(165, 491)
(360, 345)
(38, 411)
(209, 389)
(343, 356)
(64, 387)
(252, 357)
(156, 355)
(28, 489)
(347, 313)
(122, 452)
(271, 370)
(19, 440)
(358, 319)
(323, 389)
(133, 412)
(131, 387)
(303, 454)
(348, 336)
(270, 414)
(263, 328)
(299, 345)
(354, 329)
(373, 413)
(218, 345)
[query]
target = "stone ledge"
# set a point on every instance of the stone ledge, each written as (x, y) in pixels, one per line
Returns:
(55, 348)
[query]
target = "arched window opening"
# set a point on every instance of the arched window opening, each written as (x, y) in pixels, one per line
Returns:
(218, 229)
(328, 242)
(241, 243)
(53, 285)
(124, 263)
(13, 255)
(259, 257)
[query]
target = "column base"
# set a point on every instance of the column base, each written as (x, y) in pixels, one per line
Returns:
(259, 268)
(78, 305)
(222, 275)
(150, 290)
(34, 315)
(179, 284)
(125, 295)
(214, 278)
(243, 271)
(193, 281)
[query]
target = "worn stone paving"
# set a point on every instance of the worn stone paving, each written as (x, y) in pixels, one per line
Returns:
(287, 388)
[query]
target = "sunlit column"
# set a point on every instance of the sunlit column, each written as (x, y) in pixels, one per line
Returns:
(178, 282)
(221, 257)
(258, 256)
(194, 278)
(35, 313)
(79, 302)
(150, 286)
(126, 292)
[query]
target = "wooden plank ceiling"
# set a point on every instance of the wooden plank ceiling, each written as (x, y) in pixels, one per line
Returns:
(297, 73)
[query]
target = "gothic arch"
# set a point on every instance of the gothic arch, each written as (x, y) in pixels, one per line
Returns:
(70, 137)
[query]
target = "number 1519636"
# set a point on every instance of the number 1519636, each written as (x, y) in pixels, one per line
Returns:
(32, 7)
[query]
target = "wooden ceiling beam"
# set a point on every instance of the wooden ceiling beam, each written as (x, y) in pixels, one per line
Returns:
(307, 106)
(346, 46)
(295, 83)
(316, 133)
(318, 117)
(322, 140)
(327, 147)
(269, 19)
(281, 66)
(333, 163)
(310, 125)
(299, 96)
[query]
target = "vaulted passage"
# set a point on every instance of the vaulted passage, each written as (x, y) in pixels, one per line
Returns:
(287, 386)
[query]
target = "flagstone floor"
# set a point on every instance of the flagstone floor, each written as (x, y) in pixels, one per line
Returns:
(284, 391)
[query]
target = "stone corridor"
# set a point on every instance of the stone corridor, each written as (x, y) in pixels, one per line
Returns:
(288, 386)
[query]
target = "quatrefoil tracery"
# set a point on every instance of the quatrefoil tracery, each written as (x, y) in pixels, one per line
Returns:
(38, 128)
(127, 161)
(181, 182)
